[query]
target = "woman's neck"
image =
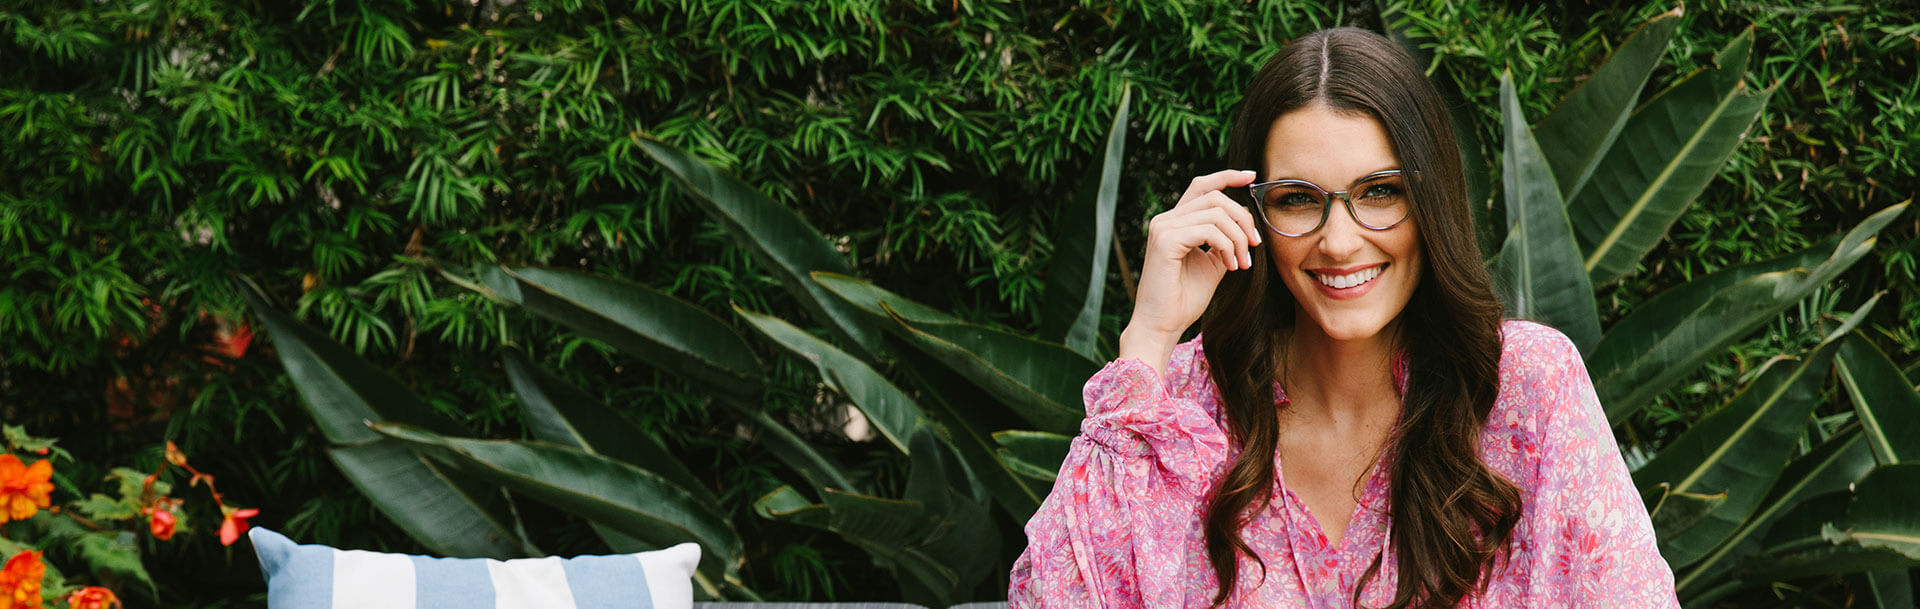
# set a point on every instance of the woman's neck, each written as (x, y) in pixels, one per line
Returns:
(1346, 383)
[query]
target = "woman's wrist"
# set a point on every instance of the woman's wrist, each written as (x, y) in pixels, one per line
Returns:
(1154, 348)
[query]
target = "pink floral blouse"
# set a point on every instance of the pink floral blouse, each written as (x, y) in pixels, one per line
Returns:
(1122, 527)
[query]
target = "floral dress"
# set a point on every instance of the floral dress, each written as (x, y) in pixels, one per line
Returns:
(1123, 526)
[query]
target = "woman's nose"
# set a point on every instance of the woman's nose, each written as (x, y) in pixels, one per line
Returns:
(1341, 236)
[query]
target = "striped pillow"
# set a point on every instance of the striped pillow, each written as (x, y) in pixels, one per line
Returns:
(321, 577)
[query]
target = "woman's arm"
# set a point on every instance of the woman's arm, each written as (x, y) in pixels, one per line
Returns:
(1123, 518)
(1591, 542)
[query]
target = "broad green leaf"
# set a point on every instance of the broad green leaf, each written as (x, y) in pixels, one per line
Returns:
(1534, 268)
(780, 240)
(632, 500)
(1677, 512)
(1739, 451)
(1576, 133)
(1884, 589)
(1036, 454)
(1886, 405)
(1670, 150)
(1038, 380)
(1881, 514)
(820, 470)
(1082, 243)
(345, 393)
(1829, 467)
(970, 429)
(939, 554)
(893, 413)
(666, 332)
(1796, 549)
(450, 515)
(559, 413)
(1668, 337)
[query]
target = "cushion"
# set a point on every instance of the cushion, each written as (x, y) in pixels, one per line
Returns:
(322, 577)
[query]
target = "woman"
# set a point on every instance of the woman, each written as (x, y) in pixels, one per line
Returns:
(1355, 425)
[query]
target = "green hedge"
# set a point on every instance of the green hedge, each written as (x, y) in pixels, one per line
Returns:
(337, 151)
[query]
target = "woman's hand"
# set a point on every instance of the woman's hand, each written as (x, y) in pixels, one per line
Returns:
(1177, 279)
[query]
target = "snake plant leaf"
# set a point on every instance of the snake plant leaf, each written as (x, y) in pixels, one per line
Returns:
(1667, 338)
(780, 240)
(1739, 450)
(1077, 277)
(1037, 454)
(1534, 268)
(1668, 153)
(344, 393)
(559, 413)
(1038, 380)
(1576, 133)
(634, 501)
(665, 332)
(1881, 515)
(894, 414)
(1829, 467)
(1885, 403)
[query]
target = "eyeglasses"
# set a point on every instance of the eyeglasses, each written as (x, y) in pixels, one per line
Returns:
(1295, 208)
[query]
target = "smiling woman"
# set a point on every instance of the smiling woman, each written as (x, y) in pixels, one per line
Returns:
(1364, 431)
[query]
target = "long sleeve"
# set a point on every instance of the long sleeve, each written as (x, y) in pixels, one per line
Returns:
(1124, 516)
(1592, 544)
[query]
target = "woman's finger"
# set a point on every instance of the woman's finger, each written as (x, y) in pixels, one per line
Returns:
(1214, 182)
(1224, 221)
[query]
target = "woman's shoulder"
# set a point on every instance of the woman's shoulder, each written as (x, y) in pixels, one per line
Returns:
(1541, 380)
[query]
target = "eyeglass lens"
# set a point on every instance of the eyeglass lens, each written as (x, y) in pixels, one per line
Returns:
(1298, 207)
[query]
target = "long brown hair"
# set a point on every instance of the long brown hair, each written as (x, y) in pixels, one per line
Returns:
(1451, 514)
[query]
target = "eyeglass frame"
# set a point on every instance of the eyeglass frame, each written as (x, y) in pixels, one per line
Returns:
(1254, 192)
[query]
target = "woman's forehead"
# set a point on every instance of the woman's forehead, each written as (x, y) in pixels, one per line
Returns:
(1326, 146)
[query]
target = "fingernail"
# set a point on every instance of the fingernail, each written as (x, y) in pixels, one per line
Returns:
(1246, 261)
(1249, 172)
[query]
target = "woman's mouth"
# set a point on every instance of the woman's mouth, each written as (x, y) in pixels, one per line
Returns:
(1349, 280)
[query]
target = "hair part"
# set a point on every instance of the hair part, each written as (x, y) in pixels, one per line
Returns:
(1452, 515)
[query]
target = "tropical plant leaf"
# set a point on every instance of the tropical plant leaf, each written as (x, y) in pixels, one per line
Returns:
(1885, 403)
(893, 413)
(666, 332)
(559, 413)
(1669, 151)
(344, 393)
(1578, 132)
(1036, 454)
(1883, 589)
(632, 500)
(1666, 339)
(1829, 467)
(1038, 380)
(1881, 514)
(1534, 263)
(1676, 512)
(1739, 450)
(970, 429)
(1077, 277)
(780, 240)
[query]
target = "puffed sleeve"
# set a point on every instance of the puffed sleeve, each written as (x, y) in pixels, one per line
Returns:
(1125, 511)
(1591, 541)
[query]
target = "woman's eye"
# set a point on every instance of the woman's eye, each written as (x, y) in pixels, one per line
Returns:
(1296, 199)
(1381, 191)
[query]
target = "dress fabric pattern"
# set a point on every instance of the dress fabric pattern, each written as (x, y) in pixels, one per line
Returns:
(1123, 525)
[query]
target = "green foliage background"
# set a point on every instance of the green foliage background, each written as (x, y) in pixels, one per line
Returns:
(336, 151)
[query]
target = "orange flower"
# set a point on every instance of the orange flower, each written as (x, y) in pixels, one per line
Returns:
(163, 518)
(24, 489)
(20, 581)
(234, 524)
(93, 597)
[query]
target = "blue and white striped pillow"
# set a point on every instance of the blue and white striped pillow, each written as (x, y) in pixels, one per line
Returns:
(322, 577)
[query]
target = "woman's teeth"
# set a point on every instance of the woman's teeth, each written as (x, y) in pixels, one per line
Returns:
(1341, 282)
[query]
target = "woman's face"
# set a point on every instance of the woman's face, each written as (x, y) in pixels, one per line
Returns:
(1378, 267)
